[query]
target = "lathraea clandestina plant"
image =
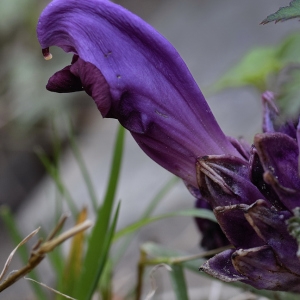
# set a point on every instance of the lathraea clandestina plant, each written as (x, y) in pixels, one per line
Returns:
(136, 76)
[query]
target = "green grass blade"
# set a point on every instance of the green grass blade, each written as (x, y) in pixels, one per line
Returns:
(201, 213)
(87, 288)
(56, 144)
(178, 282)
(23, 252)
(159, 196)
(106, 248)
(54, 173)
(114, 175)
(148, 211)
(83, 170)
(105, 285)
(99, 237)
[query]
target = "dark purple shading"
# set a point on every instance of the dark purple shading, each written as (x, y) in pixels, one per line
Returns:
(220, 266)
(270, 225)
(278, 154)
(263, 270)
(235, 226)
(212, 235)
(224, 180)
(256, 172)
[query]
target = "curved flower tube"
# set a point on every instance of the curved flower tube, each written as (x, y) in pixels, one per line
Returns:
(136, 76)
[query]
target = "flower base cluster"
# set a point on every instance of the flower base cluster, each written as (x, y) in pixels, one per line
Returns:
(253, 199)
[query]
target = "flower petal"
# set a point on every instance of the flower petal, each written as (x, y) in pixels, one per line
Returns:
(278, 154)
(241, 146)
(236, 227)
(263, 270)
(271, 226)
(256, 266)
(224, 180)
(212, 235)
(152, 92)
(221, 267)
(288, 197)
(257, 178)
(64, 81)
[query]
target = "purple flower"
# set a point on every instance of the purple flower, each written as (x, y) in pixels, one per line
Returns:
(136, 76)
(252, 202)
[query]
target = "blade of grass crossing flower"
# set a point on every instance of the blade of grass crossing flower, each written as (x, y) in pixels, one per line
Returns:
(73, 263)
(54, 173)
(83, 169)
(159, 196)
(148, 211)
(178, 282)
(15, 235)
(201, 213)
(100, 232)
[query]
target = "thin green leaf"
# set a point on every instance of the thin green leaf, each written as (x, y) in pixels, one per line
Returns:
(99, 262)
(159, 196)
(106, 289)
(178, 282)
(284, 13)
(73, 262)
(156, 250)
(148, 211)
(99, 239)
(56, 141)
(200, 213)
(54, 173)
(83, 169)
(15, 235)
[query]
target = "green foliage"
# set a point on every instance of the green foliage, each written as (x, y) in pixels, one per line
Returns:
(254, 69)
(275, 68)
(103, 230)
(284, 13)
(200, 213)
(53, 171)
(178, 282)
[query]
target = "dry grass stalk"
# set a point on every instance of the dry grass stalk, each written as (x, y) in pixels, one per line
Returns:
(39, 251)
